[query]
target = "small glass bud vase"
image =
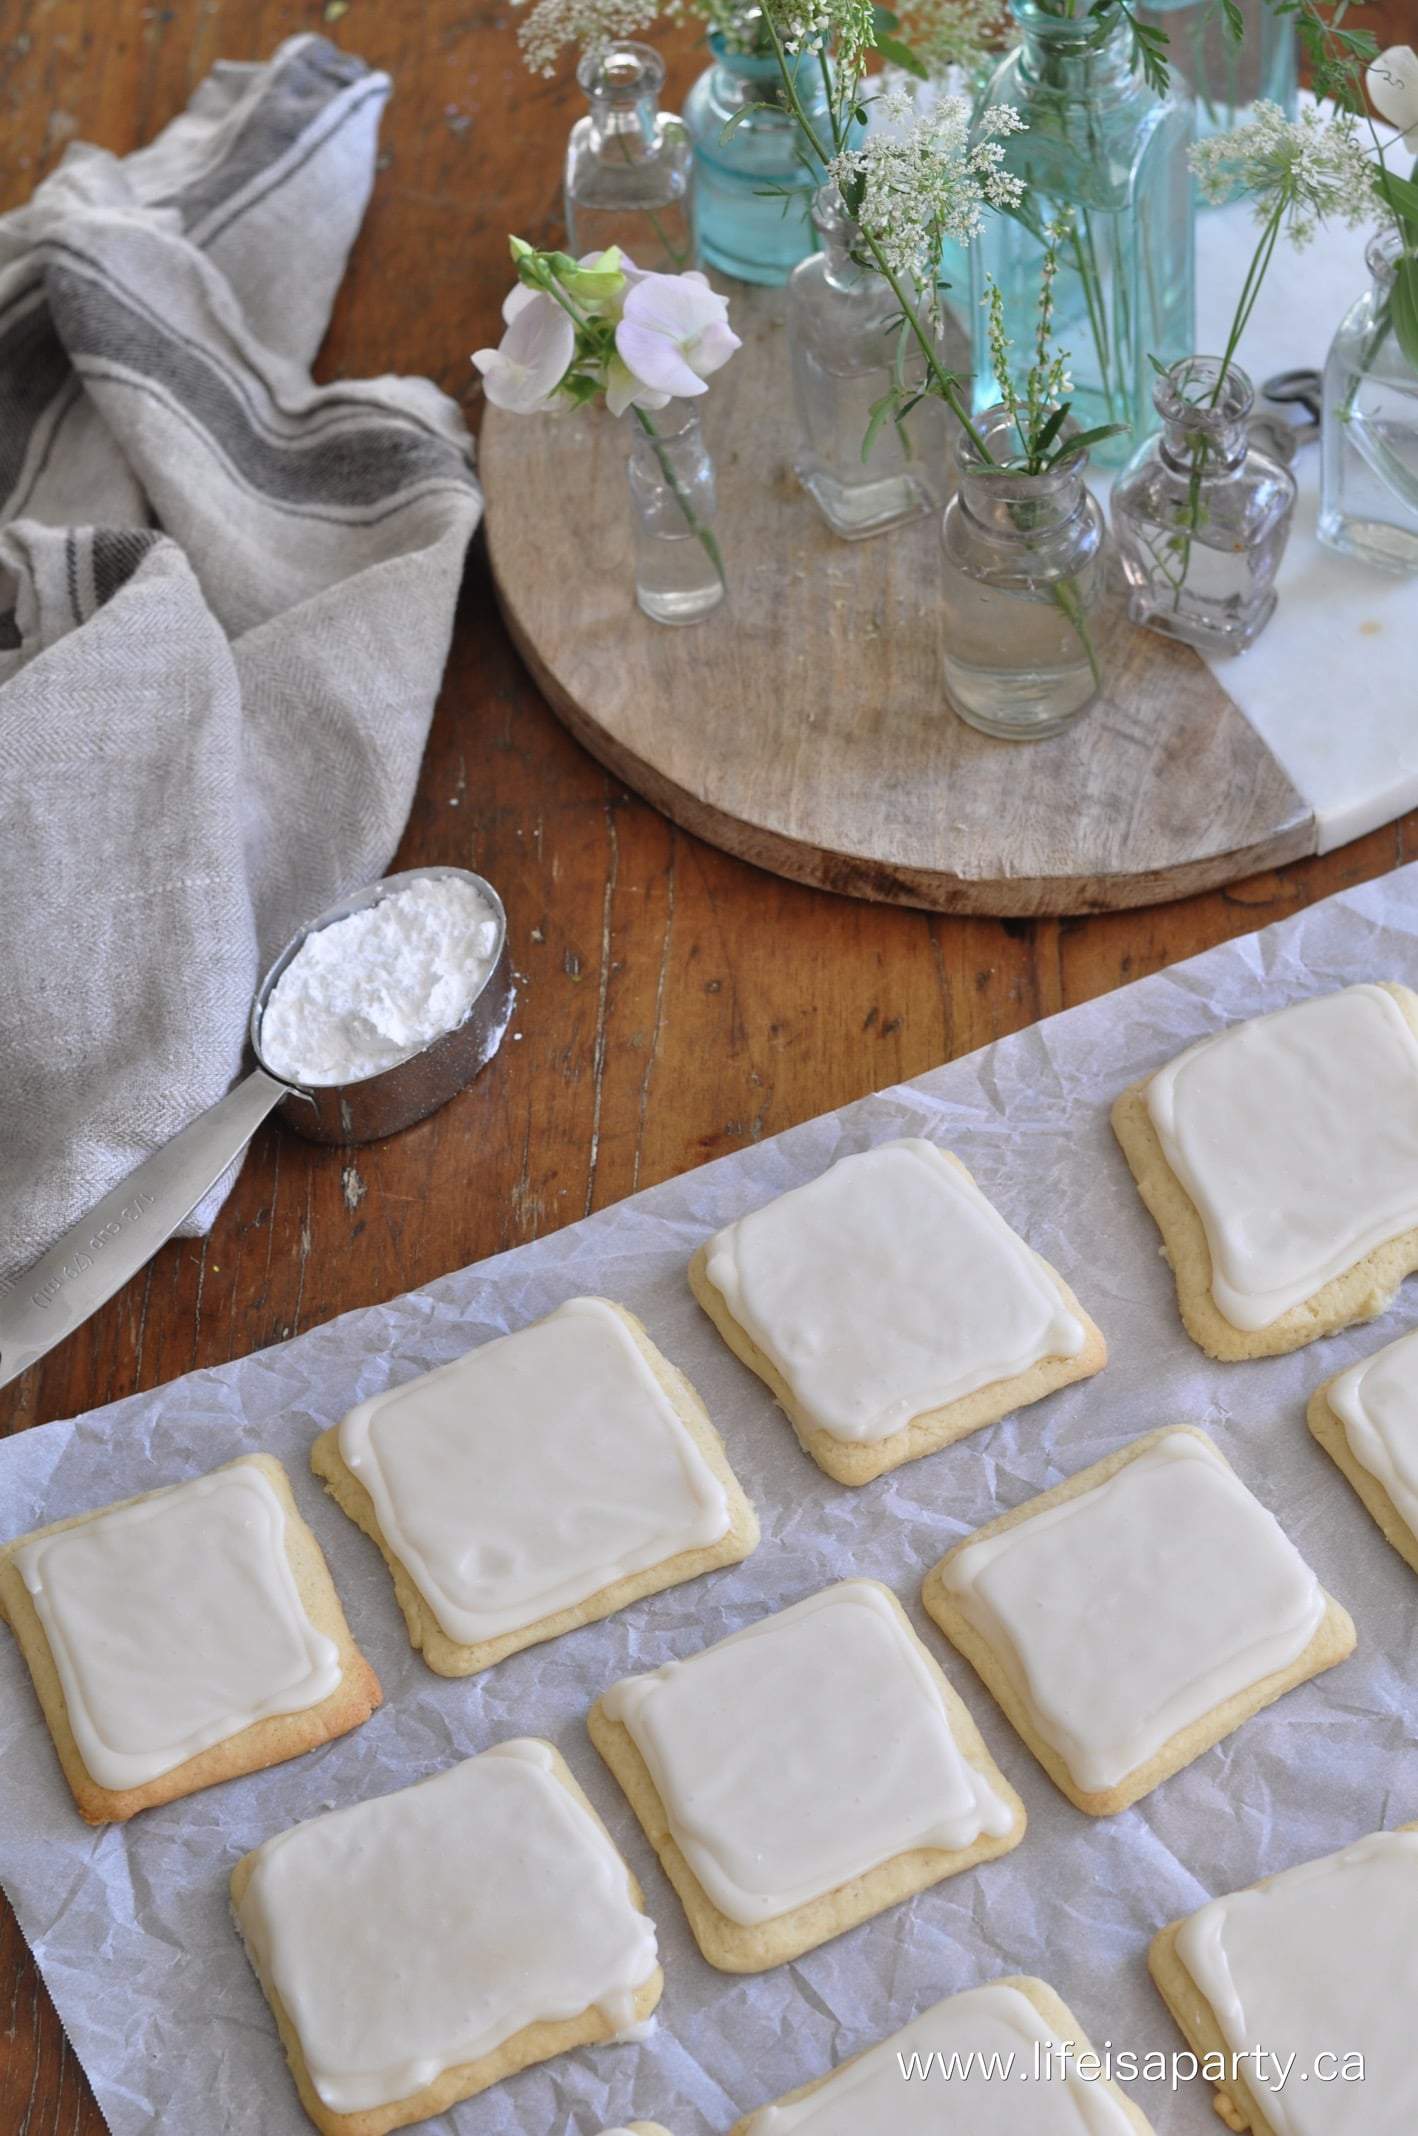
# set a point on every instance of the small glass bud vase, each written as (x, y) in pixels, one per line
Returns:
(1369, 488)
(843, 334)
(755, 191)
(1201, 515)
(678, 571)
(629, 165)
(1026, 590)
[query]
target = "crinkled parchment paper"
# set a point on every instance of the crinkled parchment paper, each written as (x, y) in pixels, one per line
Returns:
(130, 1925)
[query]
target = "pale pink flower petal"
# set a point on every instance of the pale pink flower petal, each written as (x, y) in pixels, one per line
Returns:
(674, 332)
(624, 390)
(524, 371)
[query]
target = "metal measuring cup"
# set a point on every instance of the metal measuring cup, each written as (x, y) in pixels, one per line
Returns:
(94, 1259)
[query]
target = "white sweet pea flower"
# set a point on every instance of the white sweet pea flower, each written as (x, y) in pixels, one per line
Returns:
(624, 390)
(674, 333)
(1392, 83)
(534, 355)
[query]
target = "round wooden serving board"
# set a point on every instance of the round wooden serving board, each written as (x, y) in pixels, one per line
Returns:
(804, 725)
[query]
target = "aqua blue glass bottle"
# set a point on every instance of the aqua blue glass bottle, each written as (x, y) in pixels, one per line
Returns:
(1105, 156)
(753, 187)
(1228, 76)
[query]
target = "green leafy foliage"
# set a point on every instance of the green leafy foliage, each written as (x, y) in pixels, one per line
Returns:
(1149, 43)
(897, 54)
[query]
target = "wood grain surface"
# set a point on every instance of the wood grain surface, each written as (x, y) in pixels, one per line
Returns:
(804, 725)
(675, 1003)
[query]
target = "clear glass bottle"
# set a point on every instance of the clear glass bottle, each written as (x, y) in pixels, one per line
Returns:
(843, 332)
(1201, 515)
(1369, 485)
(755, 192)
(629, 165)
(1026, 591)
(1227, 78)
(678, 570)
(1110, 154)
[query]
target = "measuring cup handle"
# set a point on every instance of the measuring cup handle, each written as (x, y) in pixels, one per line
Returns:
(111, 1243)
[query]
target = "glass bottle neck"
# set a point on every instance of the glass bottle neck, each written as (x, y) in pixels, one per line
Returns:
(1204, 412)
(1382, 255)
(1074, 55)
(622, 84)
(1005, 503)
(843, 265)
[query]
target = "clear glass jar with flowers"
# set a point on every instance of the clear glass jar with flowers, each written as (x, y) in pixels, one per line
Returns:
(1026, 579)
(874, 440)
(1201, 515)
(1369, 495)
(580, 332)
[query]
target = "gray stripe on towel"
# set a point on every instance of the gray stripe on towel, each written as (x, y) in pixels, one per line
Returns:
(356, 467)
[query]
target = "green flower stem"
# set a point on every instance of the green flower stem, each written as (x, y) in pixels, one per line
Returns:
(703, 534)
(652, 216)
(1200, 452)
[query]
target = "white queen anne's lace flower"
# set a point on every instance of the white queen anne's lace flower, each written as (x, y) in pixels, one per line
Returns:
(956, 33)
(589, 25)
(846, 28)
(1310, 169)
(916, 180)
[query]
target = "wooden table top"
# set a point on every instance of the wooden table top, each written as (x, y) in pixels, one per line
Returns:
(675, 1003)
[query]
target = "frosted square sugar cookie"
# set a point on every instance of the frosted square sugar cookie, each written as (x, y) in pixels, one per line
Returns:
(804, 1774)
(1366, 1419)
(1133, 1616)
(1013, 2052)
(1280, 1161)
(417, 1948)
(183, 1638)
(539, 1483)
(1298, 1994)
(891, 1309)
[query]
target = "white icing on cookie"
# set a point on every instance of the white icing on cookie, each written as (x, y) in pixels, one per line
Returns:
(805, 1751)
(1296, 1137)
(989, 2029)
(1322, 1959)
(1377, 1403)
(1126, 1614)
(411, 1934)
(533, 1473)
(887, 1287)
(175, 1623)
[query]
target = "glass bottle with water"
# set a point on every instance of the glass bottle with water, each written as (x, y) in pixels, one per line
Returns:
(1369, 486)
(844, 327)
(755, 189)
(1025, 592)
(1201, 515)
(1104, 157)
(679, 574)
(629, 165)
